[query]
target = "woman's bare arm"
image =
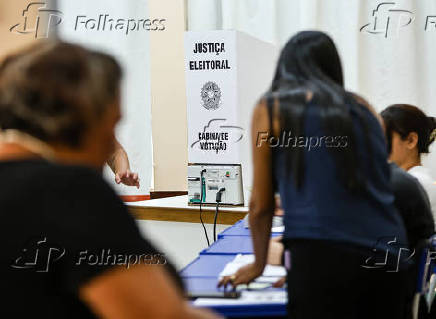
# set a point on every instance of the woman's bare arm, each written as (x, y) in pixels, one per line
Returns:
(119, 164)
(262, 198)
(144, 291)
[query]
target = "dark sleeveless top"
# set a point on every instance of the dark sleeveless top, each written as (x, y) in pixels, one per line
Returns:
(323, 208)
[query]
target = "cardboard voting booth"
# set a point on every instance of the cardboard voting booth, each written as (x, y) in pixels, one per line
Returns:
(226, 74)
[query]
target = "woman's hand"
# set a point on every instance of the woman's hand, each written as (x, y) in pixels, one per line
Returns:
(244, 275)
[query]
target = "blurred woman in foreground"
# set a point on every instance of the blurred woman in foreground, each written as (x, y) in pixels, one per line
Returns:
(70, 248)
(326, 155)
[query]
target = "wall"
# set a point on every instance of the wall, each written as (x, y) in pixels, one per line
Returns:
(181, 242)
(168, 97)
(131, 48)
(393, 64)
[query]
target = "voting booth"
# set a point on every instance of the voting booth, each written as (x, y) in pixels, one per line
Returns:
(226, 74)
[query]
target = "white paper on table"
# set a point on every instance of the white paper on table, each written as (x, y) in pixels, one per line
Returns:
(247, 298)
(278, 229)
(269, 280)
(242, 260)
(277, 221)
(269, 271)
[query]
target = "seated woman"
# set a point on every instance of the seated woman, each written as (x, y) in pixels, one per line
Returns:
(336, 194)
(410, 133)
(413, 204)
(70, 247)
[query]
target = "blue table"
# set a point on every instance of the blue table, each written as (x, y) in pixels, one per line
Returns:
(239, 229)
(252, 311)
(202, 273)
(207, 266)
(209, 284)
(231, 245)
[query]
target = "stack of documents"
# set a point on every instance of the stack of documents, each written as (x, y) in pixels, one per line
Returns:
(278, 229)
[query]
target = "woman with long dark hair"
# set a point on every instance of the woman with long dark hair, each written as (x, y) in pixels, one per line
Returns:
(326, 156)
(410, 133)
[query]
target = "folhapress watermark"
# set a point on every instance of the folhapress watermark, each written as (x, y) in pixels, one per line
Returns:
(39, 255)
(39, 20)
(288, 140)
(106, 22)
(106, 257)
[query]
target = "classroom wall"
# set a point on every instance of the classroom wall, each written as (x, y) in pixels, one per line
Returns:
(131, 49)
(167, 77)
(181, 242)
(168, 97)
(389, 61)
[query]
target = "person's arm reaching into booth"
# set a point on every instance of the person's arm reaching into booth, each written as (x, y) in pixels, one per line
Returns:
(261, 202)
(119, 164)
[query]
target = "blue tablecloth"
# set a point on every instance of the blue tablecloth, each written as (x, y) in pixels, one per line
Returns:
(231, 245)
(252, 311)
(239, 229)
(209, 284)
(202, 273)
(207, 266)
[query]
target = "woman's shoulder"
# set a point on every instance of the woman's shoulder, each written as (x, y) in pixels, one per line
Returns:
(69, 181)
(45, 171)
(424, 176)
(403, 183)
(68, 173)
(83, 197)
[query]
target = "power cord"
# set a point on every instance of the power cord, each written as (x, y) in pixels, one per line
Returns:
(218, 201)
(202, 192)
